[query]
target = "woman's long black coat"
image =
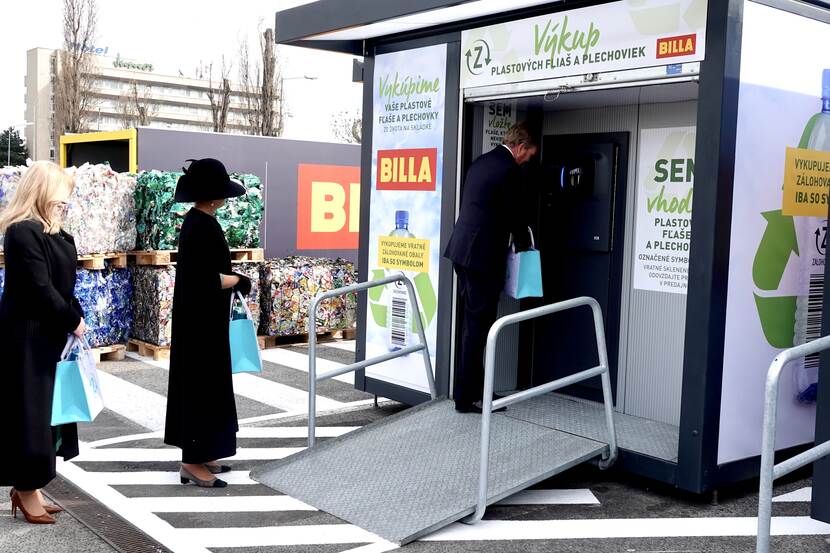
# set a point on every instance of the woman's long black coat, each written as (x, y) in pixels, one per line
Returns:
(37, 312)
(201, 410)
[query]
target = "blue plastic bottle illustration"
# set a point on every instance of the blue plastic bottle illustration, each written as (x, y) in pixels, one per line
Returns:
(816, 136)
(399, 313)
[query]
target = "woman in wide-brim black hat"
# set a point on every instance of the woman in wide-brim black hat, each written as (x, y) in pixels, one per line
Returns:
(201, 411)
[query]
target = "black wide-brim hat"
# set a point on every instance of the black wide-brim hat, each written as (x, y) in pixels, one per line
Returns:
(205, 180)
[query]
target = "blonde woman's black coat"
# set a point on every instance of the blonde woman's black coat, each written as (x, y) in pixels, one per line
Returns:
(201, 409)
(38, 311)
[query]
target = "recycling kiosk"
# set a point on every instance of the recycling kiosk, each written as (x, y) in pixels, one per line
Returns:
(682, 181)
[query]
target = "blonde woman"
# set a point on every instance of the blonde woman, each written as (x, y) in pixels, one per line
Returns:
(37, 312)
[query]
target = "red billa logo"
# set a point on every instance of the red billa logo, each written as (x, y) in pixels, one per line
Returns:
(676, 46)
(410, 169)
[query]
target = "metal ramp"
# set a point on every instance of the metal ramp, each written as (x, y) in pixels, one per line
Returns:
(415, 472)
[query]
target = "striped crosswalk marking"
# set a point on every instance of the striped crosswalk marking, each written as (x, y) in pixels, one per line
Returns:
(798, 496)
(298, 361)
(196, 521)
(214, 504)
(133, 402)
(551, 497)
(137, 454)
(165, 478)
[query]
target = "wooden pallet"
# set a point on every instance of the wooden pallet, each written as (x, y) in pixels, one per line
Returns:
(116, 352)
(96, 262)
(144, 349)
(169, 257)
(247, 255)
(153, 257)
(268, 342)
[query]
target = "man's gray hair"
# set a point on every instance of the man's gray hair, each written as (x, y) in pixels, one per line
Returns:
(519, 134)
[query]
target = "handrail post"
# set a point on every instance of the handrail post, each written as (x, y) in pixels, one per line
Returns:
(312, 370)
(607, 400)
(489, 373)
(416, 313)
(769, 470)
(423, 347)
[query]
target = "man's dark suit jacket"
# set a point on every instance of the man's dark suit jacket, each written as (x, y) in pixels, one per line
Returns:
(490, 211)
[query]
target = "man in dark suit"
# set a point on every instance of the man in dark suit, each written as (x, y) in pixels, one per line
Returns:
(491, 210)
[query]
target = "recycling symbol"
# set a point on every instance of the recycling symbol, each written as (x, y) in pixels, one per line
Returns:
(777, 313)
(478, 57)
(426, 298)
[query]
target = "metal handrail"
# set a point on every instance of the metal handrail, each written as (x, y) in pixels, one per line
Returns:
(769, 470)
(488, 405)
(313, 378)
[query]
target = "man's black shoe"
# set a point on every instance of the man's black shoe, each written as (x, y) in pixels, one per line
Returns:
(474, 408)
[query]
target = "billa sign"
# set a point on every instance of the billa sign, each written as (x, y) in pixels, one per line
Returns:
(328, 207)
(410, 169)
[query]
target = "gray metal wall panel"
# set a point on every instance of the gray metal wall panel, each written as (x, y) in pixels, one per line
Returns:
(167, 150)
(652, 326)
(657, 320)
(598, 120)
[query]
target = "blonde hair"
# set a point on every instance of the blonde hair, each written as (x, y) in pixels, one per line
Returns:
(519, 134)
(36, 197)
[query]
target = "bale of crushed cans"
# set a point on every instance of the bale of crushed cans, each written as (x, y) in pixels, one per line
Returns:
(160, 217)
(101, 215)
(289, 285)
(153, 289)
(106, 299)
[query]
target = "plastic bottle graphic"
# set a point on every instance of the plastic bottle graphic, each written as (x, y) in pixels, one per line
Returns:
(816, 136)
(399, 313)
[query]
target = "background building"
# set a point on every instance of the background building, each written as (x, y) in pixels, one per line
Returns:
(172, 102)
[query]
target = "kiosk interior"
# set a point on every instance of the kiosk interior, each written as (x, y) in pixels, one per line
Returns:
(639, 108)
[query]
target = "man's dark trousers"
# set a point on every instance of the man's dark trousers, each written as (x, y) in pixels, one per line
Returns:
(479, 293)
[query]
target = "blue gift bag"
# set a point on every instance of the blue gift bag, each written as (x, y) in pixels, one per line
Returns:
(524, 272)
(76, 396)
(245, 356)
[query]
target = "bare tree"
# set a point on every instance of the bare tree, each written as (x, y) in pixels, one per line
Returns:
(73, 67)
(136, 107)
(219, 97)
(347, 127)
(261, 84)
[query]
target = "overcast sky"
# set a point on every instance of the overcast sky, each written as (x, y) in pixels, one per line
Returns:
(177, 35)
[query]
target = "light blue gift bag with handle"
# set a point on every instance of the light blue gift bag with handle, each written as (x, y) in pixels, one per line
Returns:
(245, 356)
(76, 396)
(524, 272)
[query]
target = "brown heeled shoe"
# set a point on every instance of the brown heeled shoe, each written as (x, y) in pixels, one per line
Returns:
(45, 518)
(48, 507)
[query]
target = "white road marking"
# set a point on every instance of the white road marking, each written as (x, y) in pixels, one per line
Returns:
(348, 345)
(145, 521)
(262, 390)
(274, 394)
(800, 495)
(162, 478)
(325, 534)
(174, 454)
(163, 364)
(127, 438)
(293, 431)
(494, 530)
(244, 432)
(141, 406)
(351, 406)
(210, 504)
(551, 497)
(299, 361)
(380, 547)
